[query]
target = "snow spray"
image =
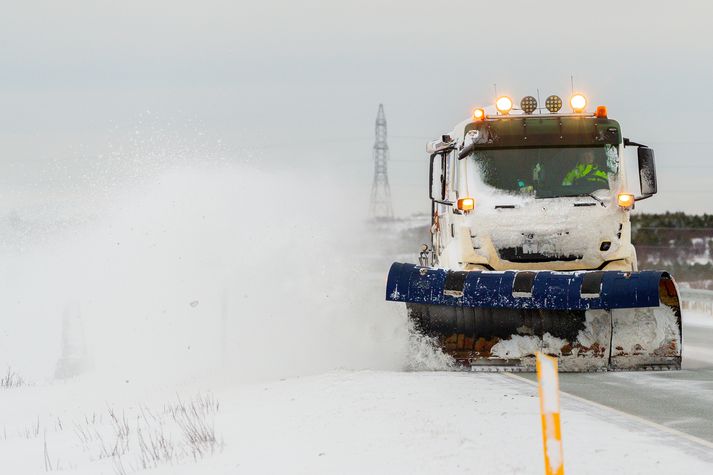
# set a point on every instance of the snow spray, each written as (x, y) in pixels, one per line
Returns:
(191, 266)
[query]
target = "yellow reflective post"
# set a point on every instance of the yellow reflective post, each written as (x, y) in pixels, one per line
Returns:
(548, 385)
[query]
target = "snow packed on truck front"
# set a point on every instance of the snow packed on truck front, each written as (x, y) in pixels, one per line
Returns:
(532, 211)
(554, 234)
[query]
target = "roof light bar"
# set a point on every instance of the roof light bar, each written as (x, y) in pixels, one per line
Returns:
(504, 105)
(578, 103)
(553, 104)
(528, 104)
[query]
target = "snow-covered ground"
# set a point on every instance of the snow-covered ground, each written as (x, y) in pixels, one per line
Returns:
(337, 422)
(698, 319)
(697, 348)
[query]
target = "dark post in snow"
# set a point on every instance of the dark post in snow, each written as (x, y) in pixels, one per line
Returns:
(74, 359)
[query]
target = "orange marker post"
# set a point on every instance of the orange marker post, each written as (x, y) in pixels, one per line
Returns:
(548, 384)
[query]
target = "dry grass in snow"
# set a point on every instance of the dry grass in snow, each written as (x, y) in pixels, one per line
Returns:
(127, 440)
(11, 380)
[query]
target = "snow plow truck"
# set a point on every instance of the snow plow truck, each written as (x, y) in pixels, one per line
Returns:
(531, 245)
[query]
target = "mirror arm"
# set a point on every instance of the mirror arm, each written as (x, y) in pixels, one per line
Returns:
(630, 143)
(467, 150)
(641, 198)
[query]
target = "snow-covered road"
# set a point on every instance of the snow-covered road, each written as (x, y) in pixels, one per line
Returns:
(384, 422)
(680, 400)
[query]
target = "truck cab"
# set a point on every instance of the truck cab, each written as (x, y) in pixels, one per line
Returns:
(521, 190)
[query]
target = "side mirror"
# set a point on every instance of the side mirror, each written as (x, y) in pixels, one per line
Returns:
(441, 183)
(647, 171)
(430, 175)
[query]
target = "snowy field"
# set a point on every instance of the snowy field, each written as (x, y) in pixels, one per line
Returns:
(168, 325)
(337, 422)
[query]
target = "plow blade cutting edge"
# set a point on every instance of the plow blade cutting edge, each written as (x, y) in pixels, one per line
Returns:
(589, 320)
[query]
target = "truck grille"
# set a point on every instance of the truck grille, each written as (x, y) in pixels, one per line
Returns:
(517, 254)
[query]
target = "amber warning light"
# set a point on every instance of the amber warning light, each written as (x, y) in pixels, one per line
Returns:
(625, 200)
(466, 204)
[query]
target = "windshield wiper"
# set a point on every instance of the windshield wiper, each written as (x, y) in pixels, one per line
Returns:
(591, 195)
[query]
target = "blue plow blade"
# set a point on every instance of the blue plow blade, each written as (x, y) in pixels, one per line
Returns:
(524, 289)
(590, 320)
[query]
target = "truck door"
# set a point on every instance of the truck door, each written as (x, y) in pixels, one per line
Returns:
(442, 195)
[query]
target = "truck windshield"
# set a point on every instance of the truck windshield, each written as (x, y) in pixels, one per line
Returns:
(548, 172)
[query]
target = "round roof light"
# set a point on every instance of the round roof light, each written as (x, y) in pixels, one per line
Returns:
(504, 105)
(479, 114)
(578, 103)
(528, 104)
(553, 103)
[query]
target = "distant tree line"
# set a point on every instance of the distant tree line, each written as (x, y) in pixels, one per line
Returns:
(672, 220)
(669, 228)
(678, 242)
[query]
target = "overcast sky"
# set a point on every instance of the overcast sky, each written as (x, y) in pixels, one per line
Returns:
(298, 83)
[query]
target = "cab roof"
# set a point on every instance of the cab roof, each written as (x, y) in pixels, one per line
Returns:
(542, 131)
